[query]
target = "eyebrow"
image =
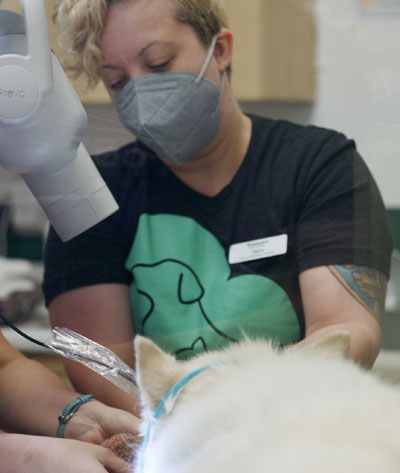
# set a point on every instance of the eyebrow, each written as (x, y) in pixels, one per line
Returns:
(164, 43)
(141, 53)
(110, 66)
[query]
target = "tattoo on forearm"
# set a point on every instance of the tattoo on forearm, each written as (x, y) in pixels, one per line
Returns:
(366, 285)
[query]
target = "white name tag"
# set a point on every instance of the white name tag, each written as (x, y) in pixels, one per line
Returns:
(258, 249)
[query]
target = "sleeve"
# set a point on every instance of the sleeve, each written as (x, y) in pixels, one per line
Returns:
(95, 257)
(98, 255)
(342, 218)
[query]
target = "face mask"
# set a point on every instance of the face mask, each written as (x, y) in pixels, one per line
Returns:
(176, 114)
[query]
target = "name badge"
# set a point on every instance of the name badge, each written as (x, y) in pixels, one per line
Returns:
(258, 249)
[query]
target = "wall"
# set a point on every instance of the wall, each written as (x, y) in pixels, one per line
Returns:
(358, 87)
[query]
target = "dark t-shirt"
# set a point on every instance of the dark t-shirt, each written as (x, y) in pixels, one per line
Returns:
(203, 271)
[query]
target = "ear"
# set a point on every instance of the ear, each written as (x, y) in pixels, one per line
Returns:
(156, 371)
(332, 342)
(223, 49)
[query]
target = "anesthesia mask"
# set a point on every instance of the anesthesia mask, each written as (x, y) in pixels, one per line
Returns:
(42, 123)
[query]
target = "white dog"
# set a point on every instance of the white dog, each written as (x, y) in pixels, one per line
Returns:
(255, 408)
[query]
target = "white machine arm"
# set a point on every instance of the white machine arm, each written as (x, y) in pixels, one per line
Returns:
(42, 123)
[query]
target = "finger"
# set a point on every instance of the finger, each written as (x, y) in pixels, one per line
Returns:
(129, 422)
(121, 422)
(114, 464)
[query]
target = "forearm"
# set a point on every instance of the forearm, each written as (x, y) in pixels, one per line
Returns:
(12, 453)
(355, 303)
(31, 398)
(102, 313)
(33, 454)
(89, 382)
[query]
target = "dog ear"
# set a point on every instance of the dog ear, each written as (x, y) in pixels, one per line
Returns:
(156, 371)
(332, 342)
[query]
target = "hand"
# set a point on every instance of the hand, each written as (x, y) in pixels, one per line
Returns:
(95, 422)
(48, 455)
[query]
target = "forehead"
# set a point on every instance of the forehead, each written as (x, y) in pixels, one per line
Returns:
(138, 21)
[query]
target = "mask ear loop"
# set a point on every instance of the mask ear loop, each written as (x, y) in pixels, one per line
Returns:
(208, 60)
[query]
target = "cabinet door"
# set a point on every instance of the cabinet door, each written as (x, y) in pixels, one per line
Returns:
(98, 94)
(274, 49)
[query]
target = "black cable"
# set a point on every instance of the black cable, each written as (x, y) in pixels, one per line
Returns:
(20, 332)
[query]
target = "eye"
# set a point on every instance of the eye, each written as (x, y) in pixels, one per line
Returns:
(118, 85)
(160, 67)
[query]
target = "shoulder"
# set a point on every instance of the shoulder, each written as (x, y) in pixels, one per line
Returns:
(298, 153)
(132, 157)
(123, 168)
(284, 135)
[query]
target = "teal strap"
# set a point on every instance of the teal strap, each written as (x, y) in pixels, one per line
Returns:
(69, 410)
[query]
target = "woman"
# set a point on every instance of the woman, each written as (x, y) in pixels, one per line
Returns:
(229, 223)
(31, 400)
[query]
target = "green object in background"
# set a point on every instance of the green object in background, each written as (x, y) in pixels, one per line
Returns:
(28, 247)
(394, 220)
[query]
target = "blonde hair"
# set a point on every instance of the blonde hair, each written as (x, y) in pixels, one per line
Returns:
(81, 24)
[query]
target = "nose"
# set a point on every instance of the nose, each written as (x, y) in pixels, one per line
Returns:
(134, 71)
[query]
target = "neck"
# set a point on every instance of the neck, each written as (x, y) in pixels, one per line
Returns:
(216, 166)
(165, 406)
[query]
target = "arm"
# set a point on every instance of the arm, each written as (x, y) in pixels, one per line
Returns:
(347, 297)
(32, 398)
(102, 313)
(28, 454)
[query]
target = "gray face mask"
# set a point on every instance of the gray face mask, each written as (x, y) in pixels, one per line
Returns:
(176, 114)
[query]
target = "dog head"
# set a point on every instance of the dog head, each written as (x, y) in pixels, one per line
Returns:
(157, 371)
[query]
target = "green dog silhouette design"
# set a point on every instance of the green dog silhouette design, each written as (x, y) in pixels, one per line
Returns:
(184, 299)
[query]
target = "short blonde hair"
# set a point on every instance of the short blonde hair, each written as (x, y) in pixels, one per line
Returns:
(81, 24)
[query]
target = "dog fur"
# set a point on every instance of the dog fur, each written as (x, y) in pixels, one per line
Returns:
(262, 409)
